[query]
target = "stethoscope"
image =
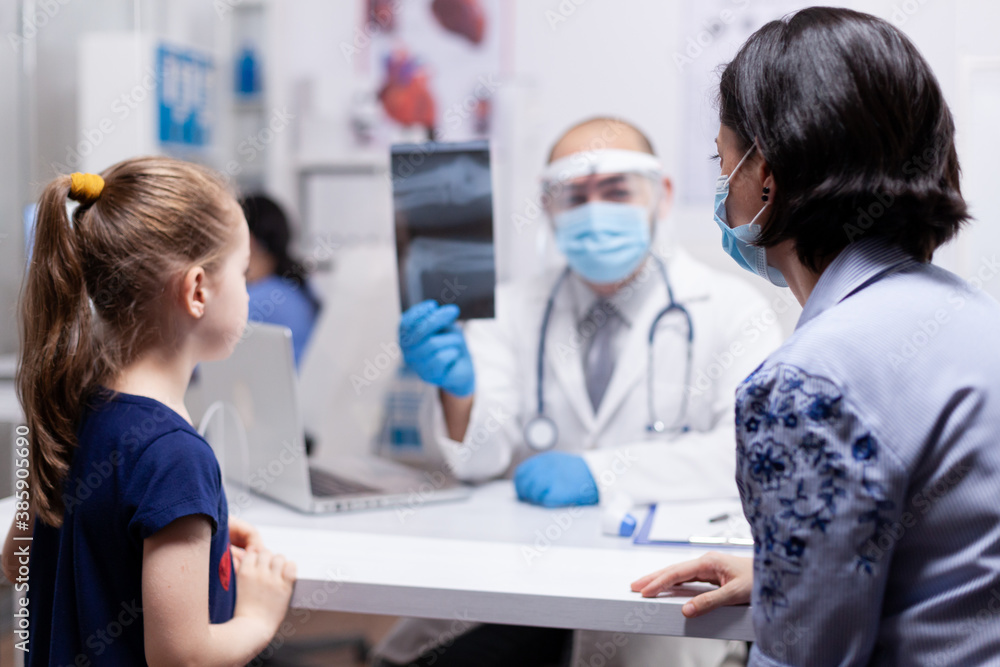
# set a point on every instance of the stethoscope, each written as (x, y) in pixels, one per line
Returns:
(541, 433)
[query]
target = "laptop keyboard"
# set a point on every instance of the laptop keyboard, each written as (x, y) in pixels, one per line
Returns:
(324, 485)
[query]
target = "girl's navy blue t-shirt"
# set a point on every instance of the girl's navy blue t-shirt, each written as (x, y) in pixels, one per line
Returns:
(138, 467)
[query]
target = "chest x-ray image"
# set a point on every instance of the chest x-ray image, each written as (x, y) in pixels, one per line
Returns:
(443, 201)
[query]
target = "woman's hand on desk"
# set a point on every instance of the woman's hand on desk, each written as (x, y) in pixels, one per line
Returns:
(733, 575)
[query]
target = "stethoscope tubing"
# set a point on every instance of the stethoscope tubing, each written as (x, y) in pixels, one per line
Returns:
(654, 425)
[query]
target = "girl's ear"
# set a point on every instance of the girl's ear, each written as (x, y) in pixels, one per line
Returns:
(194, 292)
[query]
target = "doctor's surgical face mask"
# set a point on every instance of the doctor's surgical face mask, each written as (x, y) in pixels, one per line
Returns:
(738, 242)
(604, 242)
(601, 203)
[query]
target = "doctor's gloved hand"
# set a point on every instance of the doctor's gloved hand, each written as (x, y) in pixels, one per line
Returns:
(555, 479)
(434, 346)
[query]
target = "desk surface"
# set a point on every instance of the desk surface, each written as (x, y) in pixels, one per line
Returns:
(489, 558)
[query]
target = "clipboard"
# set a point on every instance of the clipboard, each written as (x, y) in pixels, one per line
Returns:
(708, 523)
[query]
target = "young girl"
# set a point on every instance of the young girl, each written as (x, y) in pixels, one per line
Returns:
(131, 560)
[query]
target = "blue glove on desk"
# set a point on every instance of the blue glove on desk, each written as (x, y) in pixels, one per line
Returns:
(555, 479)
(434, 347)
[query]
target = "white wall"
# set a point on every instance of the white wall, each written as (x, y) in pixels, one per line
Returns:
(12, 178)
(606, 57)
(571, 59)
(40, 77)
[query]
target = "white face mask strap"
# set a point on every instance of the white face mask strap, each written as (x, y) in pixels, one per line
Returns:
(759, 213)
(740, 163)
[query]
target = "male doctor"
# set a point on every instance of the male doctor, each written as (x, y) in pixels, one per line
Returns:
(606, 409)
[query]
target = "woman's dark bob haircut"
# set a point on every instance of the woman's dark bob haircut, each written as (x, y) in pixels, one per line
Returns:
(856, 132)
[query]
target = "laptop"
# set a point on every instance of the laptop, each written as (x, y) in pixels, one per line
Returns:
(255, 390)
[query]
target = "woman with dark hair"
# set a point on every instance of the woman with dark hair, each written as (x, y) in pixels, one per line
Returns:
(868, 445)
(279, 291)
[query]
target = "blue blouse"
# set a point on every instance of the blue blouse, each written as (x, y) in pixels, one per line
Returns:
(278, 301)
(868, 463)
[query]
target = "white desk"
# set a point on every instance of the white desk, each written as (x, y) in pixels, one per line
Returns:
(489, 559)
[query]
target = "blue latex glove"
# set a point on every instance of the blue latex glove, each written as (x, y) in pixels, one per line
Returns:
(555, 479)
(434, 347)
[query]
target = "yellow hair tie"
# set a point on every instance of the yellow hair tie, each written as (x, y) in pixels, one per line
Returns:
(85, 188)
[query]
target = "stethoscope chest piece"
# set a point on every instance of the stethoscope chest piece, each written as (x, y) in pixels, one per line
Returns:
(541, 433)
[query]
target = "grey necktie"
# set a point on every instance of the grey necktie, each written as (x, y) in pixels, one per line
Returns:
(600, 325)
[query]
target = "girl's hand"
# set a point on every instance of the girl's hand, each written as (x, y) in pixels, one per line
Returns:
(243, 534)
(237, 554)
(733, 575)
(264, 583)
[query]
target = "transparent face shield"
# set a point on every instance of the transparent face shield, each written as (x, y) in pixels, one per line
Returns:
(611, 175)
(622, 188)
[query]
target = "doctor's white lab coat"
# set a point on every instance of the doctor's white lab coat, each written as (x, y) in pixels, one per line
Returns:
(735, 328)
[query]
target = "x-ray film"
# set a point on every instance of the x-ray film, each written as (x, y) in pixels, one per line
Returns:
(443, 200)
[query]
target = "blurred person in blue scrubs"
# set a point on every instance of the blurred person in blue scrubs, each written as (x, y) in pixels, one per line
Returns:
(277, 283)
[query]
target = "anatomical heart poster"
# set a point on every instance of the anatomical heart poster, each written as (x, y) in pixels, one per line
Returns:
(436, 66)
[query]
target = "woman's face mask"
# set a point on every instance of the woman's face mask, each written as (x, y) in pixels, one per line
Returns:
(738, 242)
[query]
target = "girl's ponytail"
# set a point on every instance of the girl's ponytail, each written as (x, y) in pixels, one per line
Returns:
(61, 360)
(99, 290)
